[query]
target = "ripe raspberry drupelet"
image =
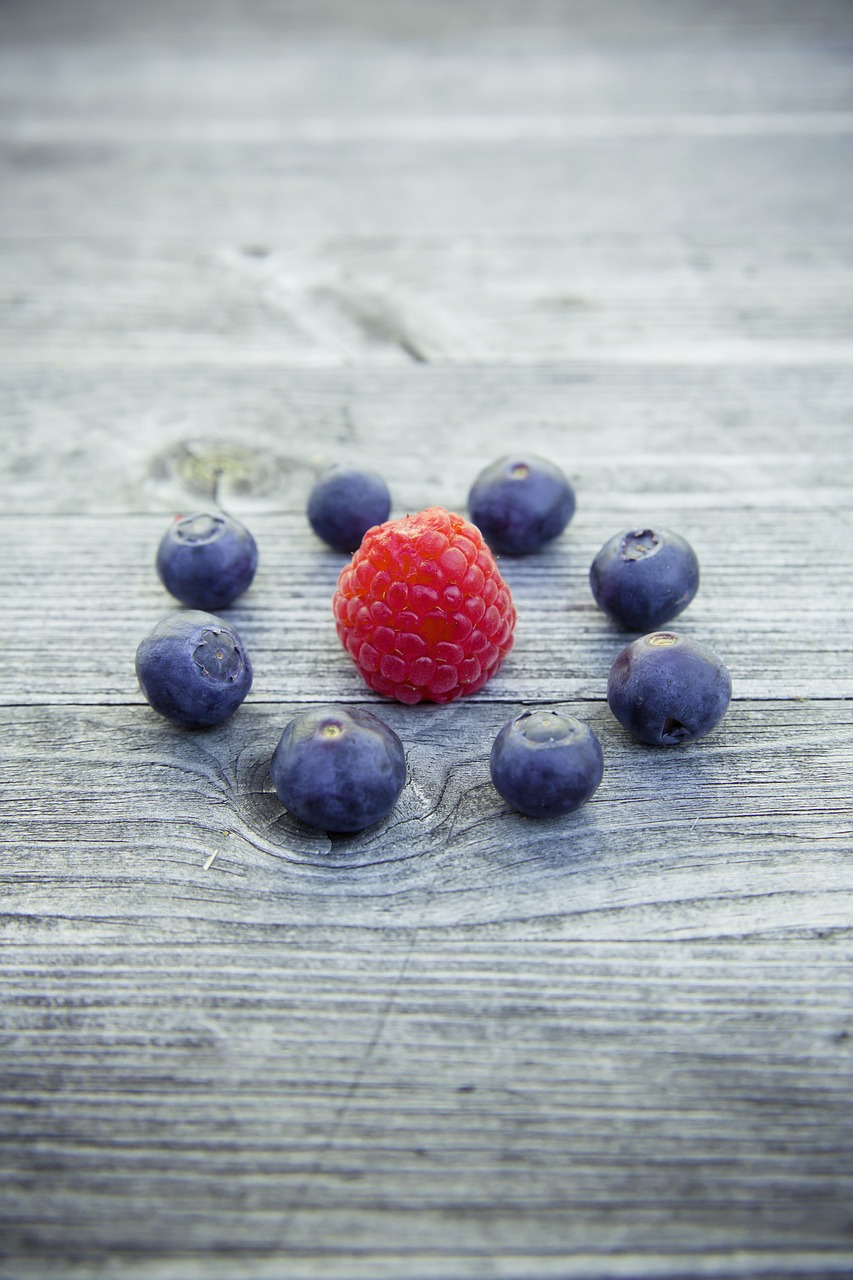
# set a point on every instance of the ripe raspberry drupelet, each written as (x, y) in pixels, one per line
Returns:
(422, 609)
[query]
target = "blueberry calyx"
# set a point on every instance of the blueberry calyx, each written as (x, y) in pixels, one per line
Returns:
(674, 731)
(638, 544)
(218, 656)
(198, 530)
(547, 726)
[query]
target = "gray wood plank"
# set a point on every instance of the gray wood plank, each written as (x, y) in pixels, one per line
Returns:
(109, 62)
(504, 1094)
(237, 243)
(746, 831)
(724, 188)
(117, 304)
(82, 649)
(116, 441)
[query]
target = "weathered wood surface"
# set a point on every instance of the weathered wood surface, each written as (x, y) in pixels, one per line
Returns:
(797, 648)
(729, 835)
(239, 242)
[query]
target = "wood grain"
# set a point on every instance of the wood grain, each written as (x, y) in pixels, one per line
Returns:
(240, 242)
(508, 188)
(389, 300)
(118, 441)
(390, 1093)
(62, 652)
(751, 836)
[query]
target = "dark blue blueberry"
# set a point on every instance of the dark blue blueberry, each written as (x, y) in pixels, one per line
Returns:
(644, 577)
(345, 503)
(194, 669)
(338, 768)
(521, 502)
(546, 763)
(207, 561)
(666, 689)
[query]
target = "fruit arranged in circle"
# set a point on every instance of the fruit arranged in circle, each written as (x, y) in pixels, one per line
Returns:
(666, 689)
(338, 768)
(546, 763)
(644, 577)
(422, 608)
(520, 503)
(344, 503)
(207, 561)
(193, 669)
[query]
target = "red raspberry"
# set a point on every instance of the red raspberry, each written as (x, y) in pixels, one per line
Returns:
(422, 609)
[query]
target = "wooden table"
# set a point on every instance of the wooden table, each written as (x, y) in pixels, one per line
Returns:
(240, 242)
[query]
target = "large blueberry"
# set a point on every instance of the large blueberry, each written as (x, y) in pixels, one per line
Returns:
(194, 669)
(338, 768)
(521, 502)
(207, 561)
(644, 577)
(666, 689)
(345, 503)
(546, 763)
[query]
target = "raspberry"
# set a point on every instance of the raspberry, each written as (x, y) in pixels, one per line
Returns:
(422, 609)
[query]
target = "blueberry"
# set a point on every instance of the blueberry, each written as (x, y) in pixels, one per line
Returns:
(345, 503)
(338, 768)
(194, 669)
(644, 577)
(666, 689)
(546, 763)
(207, 561)
(521, 502)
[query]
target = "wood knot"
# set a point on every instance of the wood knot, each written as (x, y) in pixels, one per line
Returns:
(202, 466)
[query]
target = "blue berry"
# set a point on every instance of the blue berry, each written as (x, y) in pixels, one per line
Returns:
(521, 502)
(207, 561)
(643, 578)
(546, 763)
(345, 503)
(193, 669)
(666, 689)
(338, 768)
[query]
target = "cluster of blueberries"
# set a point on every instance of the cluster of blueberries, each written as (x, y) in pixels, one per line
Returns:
(342, 769)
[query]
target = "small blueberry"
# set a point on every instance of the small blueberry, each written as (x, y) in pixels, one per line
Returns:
(666, 689)
(546, 763)
(644, 577)
(338, 768)
(345, 503)
(207, 561)
(193, 669)
(520, 503)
